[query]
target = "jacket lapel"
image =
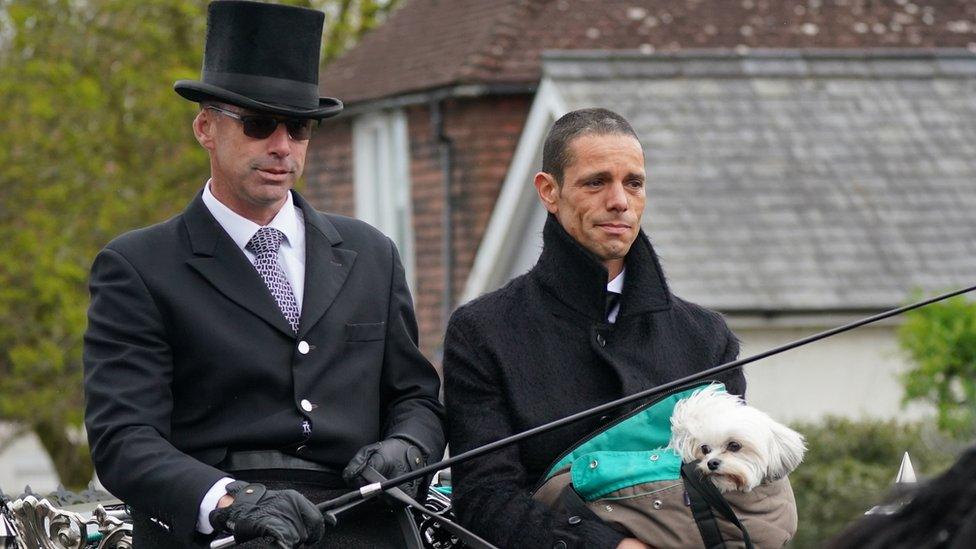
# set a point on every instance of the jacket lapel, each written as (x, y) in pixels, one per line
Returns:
(326, 265)
(226, 268)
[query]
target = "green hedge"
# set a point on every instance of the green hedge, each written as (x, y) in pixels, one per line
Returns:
(850, 466)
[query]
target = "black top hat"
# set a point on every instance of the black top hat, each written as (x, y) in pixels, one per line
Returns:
(263, 57)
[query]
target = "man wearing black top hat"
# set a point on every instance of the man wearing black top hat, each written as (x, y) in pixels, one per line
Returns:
(252, 355)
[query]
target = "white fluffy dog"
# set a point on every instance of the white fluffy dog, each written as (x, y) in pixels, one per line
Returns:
(738, 446)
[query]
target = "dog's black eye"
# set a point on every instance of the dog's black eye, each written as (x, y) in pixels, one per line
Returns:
(734, 446)
(705, 449)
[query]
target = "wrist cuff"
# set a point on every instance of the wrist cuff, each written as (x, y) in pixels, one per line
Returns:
(209, 503)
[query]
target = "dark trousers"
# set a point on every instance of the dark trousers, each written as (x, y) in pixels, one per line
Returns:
(370, 525)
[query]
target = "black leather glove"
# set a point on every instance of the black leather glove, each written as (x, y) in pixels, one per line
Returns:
(284, 517)
(391, 458)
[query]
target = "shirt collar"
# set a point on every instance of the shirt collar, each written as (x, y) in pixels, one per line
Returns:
(617, 284)
(241, 229)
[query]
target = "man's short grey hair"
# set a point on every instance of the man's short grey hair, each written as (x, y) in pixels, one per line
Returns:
(556, 154)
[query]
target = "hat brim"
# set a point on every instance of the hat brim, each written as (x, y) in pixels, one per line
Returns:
(197, 91)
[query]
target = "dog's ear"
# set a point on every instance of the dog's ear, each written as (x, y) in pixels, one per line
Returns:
(682, 440)
(785, 452)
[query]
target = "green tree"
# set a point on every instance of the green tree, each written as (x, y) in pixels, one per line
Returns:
(93, 142)
(941, 342)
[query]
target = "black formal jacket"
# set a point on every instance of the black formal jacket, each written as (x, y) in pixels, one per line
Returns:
(540, 349)
(187, 356)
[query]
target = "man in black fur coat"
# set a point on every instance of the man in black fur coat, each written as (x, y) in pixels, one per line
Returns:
(556, 340)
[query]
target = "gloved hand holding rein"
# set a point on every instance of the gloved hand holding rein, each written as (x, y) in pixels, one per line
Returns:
(284, 517)
(391, 458)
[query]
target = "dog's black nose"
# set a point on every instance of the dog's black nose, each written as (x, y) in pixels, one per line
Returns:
(713, 464)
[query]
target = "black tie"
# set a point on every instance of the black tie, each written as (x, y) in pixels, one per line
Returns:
(613, 298)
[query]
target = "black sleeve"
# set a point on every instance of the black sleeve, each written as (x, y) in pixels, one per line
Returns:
(490, 494)
(734, 380)
(128, 401)
(410, 383)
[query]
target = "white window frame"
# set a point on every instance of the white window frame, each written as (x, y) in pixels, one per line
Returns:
(381, 179)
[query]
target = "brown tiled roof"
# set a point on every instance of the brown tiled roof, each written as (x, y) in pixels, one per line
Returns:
(432, 43)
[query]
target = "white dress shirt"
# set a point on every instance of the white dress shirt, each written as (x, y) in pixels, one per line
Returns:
(291, 257)
(616, 285)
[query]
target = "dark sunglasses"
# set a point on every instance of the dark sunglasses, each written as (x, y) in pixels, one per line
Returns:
(261, 126)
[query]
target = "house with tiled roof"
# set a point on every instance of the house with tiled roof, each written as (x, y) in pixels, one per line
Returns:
(809, 162)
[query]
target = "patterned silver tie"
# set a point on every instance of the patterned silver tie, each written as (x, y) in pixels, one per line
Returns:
(265, 244)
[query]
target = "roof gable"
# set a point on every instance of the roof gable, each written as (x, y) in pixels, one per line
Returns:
(428, 44)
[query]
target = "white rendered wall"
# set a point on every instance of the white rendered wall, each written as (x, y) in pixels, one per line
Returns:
(853, 374)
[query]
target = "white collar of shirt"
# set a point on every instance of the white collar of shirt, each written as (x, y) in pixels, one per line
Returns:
(242, 229)
(617, 284)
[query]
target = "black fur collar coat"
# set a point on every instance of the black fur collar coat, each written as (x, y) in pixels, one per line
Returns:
(540, 349)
